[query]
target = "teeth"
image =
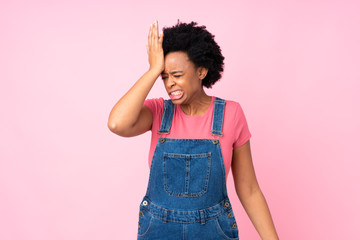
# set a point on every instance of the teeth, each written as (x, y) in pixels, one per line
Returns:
(176, 92)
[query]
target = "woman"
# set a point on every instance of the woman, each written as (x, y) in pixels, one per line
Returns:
(195, 140)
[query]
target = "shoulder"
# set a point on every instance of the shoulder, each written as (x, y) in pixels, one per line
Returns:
(232, 106)
(155, 100)
(154, 103)
(234, 111)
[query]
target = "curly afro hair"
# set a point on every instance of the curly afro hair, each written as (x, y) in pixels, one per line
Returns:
(200, 47)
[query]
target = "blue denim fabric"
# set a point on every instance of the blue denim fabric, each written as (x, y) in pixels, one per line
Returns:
(186, 197)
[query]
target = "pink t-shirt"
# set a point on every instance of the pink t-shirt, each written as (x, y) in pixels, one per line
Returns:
(235, 128)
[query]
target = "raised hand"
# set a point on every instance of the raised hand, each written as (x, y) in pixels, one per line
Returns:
(154, 48)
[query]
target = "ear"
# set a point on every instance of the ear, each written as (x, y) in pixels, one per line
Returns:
(202, 72)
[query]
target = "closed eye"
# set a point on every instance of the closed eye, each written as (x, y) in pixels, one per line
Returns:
(177, 76)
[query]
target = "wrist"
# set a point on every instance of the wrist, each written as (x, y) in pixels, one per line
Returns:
(155, 71)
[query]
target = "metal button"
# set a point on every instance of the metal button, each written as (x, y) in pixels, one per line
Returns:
(139, 225)
(229, 215)
(215, 141)
(141, 214)
(226, 204)
(234, 225)
(145, 203)
(162, 140)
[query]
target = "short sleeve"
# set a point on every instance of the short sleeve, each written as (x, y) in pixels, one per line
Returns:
(156, 106)
(242, 132)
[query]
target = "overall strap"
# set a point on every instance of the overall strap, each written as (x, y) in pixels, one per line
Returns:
(218, 116)
(217, 120)
(167, 117)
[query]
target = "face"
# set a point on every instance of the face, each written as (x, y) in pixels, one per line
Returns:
(181, 78)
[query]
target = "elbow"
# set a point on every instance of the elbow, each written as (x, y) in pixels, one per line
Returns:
(115, 125)
(115, 128)
(111, 126)
(119, 130)
(247, 191)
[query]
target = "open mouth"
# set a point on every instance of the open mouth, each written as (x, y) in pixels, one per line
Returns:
(176, 95)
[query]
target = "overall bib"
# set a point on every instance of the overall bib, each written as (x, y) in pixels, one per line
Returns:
(186, 196)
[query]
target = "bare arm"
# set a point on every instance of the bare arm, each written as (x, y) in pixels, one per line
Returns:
(249, 192)
(130, 117)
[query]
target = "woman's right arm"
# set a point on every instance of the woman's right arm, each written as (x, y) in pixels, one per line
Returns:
(130, 117)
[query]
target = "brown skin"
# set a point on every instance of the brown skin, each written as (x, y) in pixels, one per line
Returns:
(129, 117)
(249, 192)
(181, 74)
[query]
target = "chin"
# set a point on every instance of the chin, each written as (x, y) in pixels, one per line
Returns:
(176, 101)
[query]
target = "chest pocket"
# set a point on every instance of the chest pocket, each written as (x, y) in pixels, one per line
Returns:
(186, 175)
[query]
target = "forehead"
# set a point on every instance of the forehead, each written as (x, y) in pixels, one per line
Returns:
(177, 61)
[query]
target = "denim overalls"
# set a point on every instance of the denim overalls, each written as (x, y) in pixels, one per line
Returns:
(186, 196)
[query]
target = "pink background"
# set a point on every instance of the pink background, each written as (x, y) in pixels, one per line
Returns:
(292, 65)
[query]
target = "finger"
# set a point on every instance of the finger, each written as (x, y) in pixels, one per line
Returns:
(147, 49)
(156, 29)
(158, 38)
(161, 38)
(151, 35)
(154, 36)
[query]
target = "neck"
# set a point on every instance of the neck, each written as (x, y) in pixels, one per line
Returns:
(198, 106)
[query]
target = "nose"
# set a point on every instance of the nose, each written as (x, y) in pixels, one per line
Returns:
(170, 82)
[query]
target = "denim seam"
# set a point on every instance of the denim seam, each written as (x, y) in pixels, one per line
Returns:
(188, 140)
(218, 117)
(168, 114)
(223, 167)
(220, 203)
(163, 131)
(185, 194)
(149, 227)
(181, 155)
(170, 220)
(187, 175)
(151, 167)
(222, 232)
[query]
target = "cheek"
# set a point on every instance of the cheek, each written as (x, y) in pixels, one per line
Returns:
(194, 83)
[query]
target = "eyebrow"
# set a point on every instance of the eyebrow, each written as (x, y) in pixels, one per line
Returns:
(173, 72)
